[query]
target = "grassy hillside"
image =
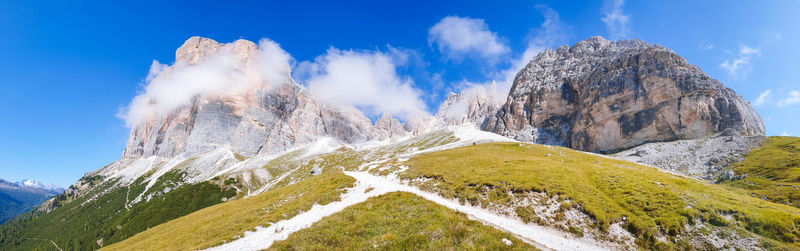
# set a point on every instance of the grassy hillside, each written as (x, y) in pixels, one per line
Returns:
(399, 221)
(539, 184)
(101, 217)
(102, 214)
(651, 204)
(221, 223)
(771, 171)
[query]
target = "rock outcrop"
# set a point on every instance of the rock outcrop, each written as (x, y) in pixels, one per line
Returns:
(268, 119)
(472, 106)
(604, 96)
(388, 128)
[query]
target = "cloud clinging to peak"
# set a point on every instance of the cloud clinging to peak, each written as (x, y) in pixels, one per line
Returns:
(167, 88)
(459, 37)
(367, 80)
(615, 19)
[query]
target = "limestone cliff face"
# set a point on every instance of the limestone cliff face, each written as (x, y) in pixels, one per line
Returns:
(267, 119)
(388, 128)
(602, 95)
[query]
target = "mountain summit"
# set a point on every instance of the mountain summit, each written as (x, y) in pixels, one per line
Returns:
(269, 116)
(601, 95)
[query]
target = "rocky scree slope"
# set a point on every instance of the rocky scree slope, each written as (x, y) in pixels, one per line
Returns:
(603, 96)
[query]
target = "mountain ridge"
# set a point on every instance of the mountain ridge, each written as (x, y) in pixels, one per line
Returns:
(18, 197)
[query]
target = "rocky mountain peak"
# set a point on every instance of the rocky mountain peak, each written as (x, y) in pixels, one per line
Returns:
(269, 118)
(198, 49)
(388, 127)
(30, 185)
(474, 105)
(601, 95)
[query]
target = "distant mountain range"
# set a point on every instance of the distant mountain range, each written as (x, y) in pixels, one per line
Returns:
(19, 197)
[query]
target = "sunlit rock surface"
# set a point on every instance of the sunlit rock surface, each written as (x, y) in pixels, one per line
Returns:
(601, 95)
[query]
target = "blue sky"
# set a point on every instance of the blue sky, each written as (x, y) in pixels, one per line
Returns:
(68, 67)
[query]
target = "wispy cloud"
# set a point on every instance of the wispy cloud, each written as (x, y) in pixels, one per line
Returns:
(747, 50)
(459, 37)
(793, 98)
(550, 33)
(705, 45)
(785, 133)
(739, 66)
(615, 19)
(763, 98)
(365, 79)
(222, 74)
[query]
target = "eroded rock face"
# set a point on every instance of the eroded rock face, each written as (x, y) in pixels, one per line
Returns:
(388, 128)
(602, 96)
(467, 107)
(267, 119)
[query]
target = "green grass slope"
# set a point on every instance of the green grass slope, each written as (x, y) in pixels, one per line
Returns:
(651, 204)
(218, 224)
(771, 171)
(102, 215)
(399, 221)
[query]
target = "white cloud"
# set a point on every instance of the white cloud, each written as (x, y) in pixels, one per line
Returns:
(785, 133)
(222, 74)
(734, 66)
(747, 50)
(763, 98)
(365, 79)
(458, 37)
(549, 34)
(616, 21)
(739, 66)
(155, 69)
(794, 98)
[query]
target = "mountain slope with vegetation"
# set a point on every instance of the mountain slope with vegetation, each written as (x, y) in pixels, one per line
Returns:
(618, 204)
(105, 215)
(771, 171)
(659, 209)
